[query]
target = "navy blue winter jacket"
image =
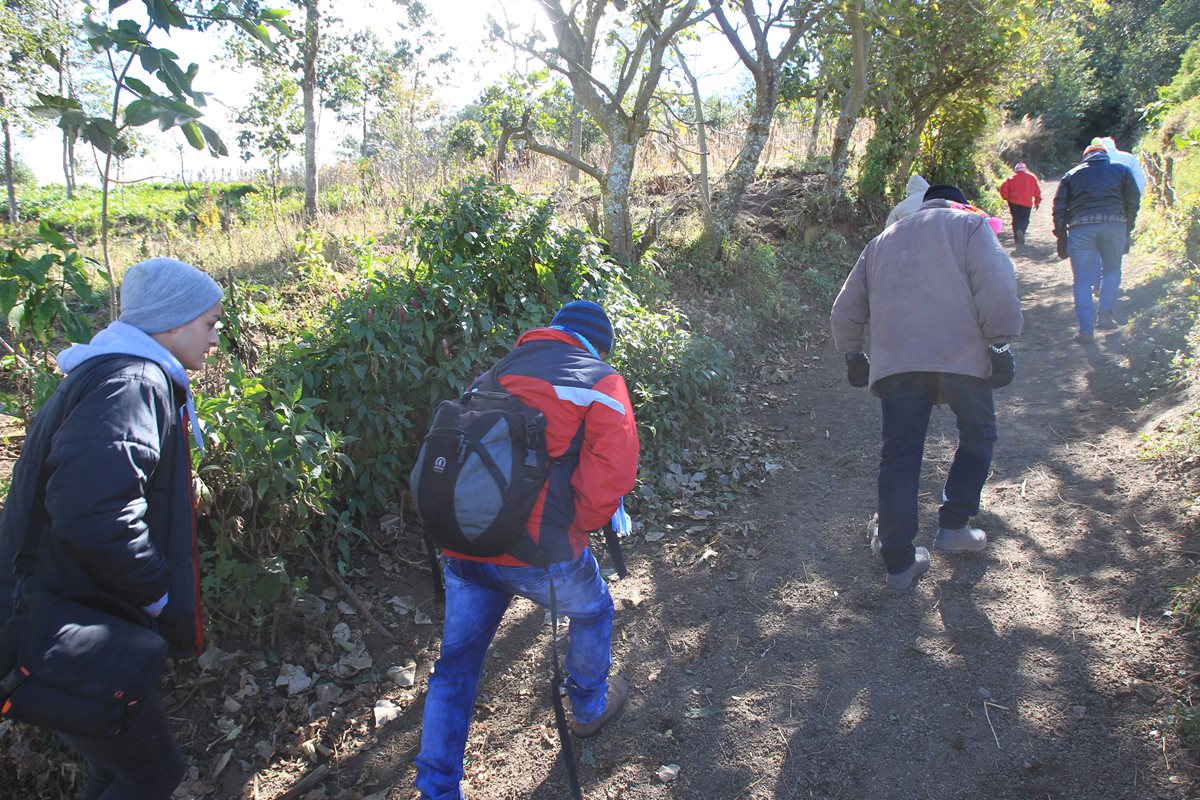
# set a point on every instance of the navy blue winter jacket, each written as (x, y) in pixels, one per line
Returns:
(117, 516)
(1096, 191)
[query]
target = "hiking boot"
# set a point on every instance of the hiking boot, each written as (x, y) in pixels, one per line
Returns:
(899, 581)
(960, 540)
(618, 693)
(1085, 337)
(1106, 321)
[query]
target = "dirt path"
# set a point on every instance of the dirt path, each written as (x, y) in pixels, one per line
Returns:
(778, 667)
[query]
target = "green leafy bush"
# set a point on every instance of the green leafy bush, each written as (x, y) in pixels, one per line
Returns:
(489, 266)
(678, 380)
(327, 430)
(267, 480)
(45, 295)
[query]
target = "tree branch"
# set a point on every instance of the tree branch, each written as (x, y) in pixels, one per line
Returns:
(731, 34)
(527, 136)
(662, 41)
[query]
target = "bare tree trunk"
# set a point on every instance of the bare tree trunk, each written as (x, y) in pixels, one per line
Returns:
(618, 226)
(733, 188)
(309, 88)
(105, 186)
(362, 148)
(856, 95)
(765, 69)
(576, 138)
(815, 132)
(14, 215)
(69, 164)
(911, 148)
(703, 187)
(623, 110)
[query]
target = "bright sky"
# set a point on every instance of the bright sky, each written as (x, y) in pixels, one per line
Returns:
(462, 23)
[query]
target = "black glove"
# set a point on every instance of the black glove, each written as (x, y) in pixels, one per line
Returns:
(1004, 366)
(1062, 247)
(858, 369)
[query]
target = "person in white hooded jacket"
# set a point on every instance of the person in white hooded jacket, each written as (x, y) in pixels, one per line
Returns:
(911, 204)
(1126, 159)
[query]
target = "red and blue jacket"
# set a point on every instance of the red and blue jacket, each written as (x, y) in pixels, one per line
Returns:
(590, 434)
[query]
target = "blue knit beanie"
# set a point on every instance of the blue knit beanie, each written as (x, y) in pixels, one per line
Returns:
(160, 294)
(589, 321)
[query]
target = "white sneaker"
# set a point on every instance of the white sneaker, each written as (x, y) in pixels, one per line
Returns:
(900, 581)
(960, 540)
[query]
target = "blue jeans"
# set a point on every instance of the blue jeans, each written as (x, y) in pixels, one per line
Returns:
(143, 763)
(477, 595)
(1096, 252)
(908, 399)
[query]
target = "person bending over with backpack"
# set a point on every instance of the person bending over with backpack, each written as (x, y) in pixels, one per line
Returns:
(105, 478)
(592, 444)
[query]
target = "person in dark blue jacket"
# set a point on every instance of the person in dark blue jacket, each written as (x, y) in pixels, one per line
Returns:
(1095, 209)
(108, 457)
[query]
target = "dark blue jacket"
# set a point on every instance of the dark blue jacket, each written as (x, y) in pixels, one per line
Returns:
(109, 456)
(1096, 191)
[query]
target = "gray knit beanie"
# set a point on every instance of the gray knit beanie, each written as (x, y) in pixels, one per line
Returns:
(160, 294)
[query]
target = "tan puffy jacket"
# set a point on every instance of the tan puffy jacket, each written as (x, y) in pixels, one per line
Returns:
(933, 290)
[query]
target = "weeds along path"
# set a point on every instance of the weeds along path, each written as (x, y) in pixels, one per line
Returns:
(777, 666)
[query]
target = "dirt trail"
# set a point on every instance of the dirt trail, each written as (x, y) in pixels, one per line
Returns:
(1038, 669)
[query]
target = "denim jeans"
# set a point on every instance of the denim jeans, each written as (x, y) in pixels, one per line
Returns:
(477, 595)
(1096, 252)
(908, 399)
(143, 763)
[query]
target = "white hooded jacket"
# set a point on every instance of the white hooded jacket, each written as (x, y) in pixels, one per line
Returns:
(1125, 159)
(912, 201)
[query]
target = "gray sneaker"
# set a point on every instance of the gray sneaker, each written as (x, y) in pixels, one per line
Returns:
(960, 540)
(899, 581)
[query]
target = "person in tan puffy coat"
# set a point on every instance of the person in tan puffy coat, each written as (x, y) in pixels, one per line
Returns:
(924, 318)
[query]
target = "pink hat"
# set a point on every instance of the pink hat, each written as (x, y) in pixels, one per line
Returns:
(1020, 167)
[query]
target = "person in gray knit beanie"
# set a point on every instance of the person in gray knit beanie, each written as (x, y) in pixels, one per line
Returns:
(105, 478)
(160, 294)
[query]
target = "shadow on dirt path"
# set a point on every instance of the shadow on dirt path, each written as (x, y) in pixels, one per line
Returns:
(779, 668)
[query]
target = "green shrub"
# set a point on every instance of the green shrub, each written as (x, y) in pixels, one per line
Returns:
(267, 480)
(327, 430)
(467, 141)
(490, 265)
(45, 294)
(679, 381)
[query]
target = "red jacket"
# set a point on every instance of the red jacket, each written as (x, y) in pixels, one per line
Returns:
(1022, 189)
(590, 434)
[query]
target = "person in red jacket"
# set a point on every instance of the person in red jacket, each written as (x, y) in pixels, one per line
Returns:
(1023, 194)
(591, 436)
